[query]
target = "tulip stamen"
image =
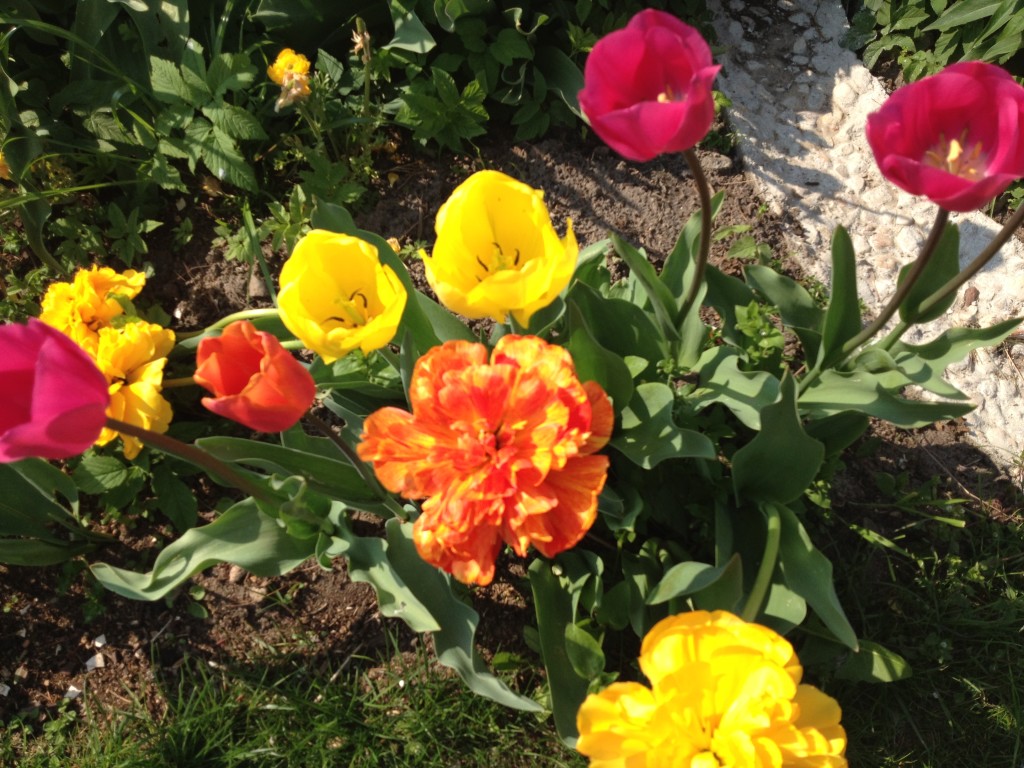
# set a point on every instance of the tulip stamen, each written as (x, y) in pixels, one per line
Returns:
(953, 156)
(353, 315)
(481, 263)
(668, 95)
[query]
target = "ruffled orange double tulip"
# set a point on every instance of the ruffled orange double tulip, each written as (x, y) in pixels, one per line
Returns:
(501, 446)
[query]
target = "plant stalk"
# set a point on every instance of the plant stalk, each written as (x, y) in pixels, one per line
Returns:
(704, 192)
(245, 314)
(193, 455)
(763, 580)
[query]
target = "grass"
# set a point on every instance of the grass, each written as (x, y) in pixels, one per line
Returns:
(951, 603)
(410, 714)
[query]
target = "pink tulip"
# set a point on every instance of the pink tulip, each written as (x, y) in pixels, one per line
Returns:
(647, 87)
(53, 398)
(956, 138)
(255, 380)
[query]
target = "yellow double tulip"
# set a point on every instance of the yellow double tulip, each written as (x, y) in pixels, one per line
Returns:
(496, 252)
(336, 295)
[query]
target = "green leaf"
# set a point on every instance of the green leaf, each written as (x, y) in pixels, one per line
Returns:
(658, 294)
(809, 573)
(942, 267)
(835, 392)
(169, 86)
(220, 154)
(962, 13)
(584, 652)
(234, 121)
(782, 460)
(335, 478)
(32, 552)
(688, 578)
(243, 536)
(873, 663)
(174, 498)
(797, 308)
(595, 363)
(27, 506)
(410, 34)
(455, 641)
(96, 474)
(648, 433)
(842, 318)
(553, 608)
(619, 325)
(745, 393)
(725, 294)
(561, 74)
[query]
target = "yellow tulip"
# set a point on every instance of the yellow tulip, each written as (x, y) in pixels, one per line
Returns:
(496, 252)
(82, 307)
(132, 358)
(336, 296)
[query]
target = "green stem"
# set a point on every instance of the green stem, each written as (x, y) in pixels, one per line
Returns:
(704, 192)
(763, 580)
(364, 470)
(214, 466)
(953, 285)
(245, 314)
(904, 288)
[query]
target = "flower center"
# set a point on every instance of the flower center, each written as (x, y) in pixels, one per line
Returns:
(498, 261)
(668, 95)
(353, 310)
(952, 156)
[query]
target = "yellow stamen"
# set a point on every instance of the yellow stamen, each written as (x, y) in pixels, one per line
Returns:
(952, 156)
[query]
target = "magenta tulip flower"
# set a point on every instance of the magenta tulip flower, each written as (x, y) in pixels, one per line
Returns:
(647, 87)
(53, 398)
(956, 138)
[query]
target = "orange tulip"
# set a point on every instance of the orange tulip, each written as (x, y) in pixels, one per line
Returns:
(500, 446)
(255, 381)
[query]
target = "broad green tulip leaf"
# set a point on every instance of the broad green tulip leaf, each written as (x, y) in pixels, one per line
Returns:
(838, 431)
(725, 294)
(370, 561)
(454, 641)
(648, 433)
(561, 75)
(27, 504)
(36, 553)
(842, 318)
(943, 266)
(410, 34)
(745, 393)
(797, 308)
(679, 265)
(620, 326)
(554, 612)
(442, 323)
(873, 663)
(684, 579)
(924, 364)
(243, 536)
(660, 297)
(783, 608)
(782, 460)
(835, 392)
(584, 652)
(809, 574)
(334, 478)
(595, 363)
(619, 508)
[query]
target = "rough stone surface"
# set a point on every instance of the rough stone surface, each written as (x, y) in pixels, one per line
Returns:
(801, 132)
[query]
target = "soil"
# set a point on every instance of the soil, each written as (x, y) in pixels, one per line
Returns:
(53, 623)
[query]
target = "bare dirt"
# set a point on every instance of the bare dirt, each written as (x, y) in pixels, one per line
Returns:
(54, 624)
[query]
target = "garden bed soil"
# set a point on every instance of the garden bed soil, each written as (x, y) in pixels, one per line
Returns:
(55, 625)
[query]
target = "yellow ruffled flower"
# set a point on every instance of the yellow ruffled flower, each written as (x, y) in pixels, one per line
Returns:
(723, 693)
(79, 309)
(290, 70)
(336, 295)
(497, 252)
(133, 358)
(5, 169)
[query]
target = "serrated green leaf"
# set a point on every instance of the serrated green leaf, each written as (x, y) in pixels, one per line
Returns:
(175, 499)
(96, 474)
(234, 121)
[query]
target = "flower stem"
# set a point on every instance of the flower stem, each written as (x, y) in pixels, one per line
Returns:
(953, 285)
(181, 381)
(903, 289)
(361, 467)
(704, 192)
(245, 314)
(763, 580)
(193, 455)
